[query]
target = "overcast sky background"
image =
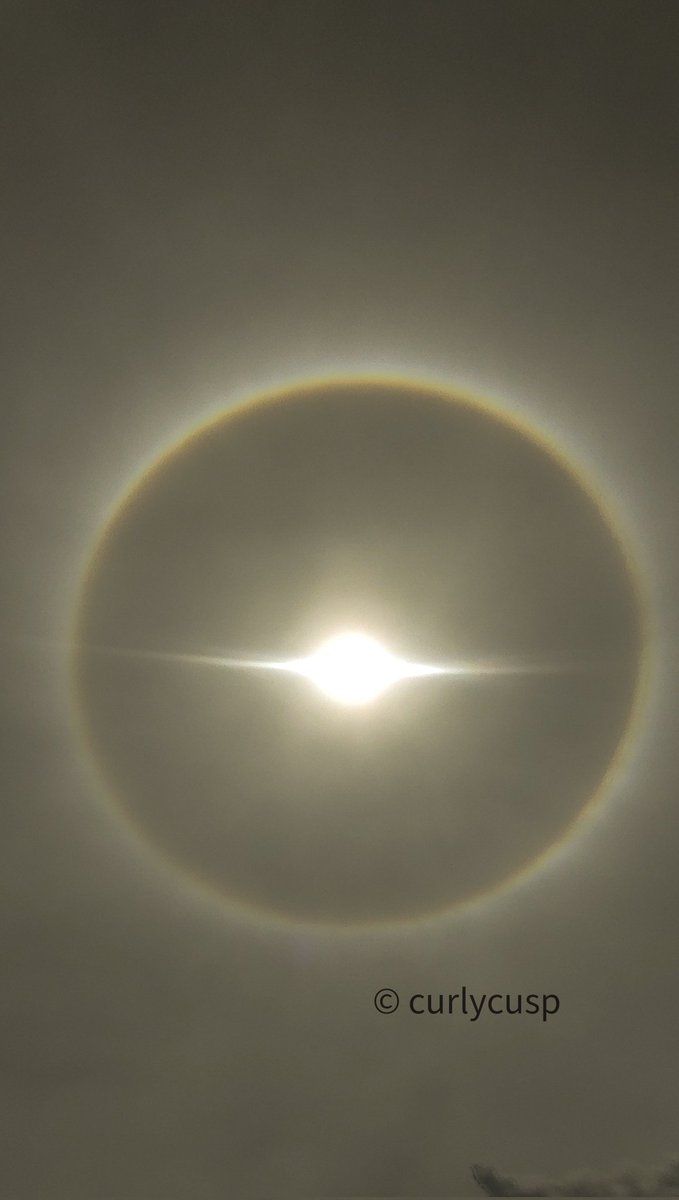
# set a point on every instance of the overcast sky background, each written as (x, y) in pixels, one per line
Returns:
(202, 200)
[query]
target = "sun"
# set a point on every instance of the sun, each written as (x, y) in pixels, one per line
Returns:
(351, 668)
(354, 668)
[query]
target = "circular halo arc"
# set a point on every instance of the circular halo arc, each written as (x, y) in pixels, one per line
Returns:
(216, 898)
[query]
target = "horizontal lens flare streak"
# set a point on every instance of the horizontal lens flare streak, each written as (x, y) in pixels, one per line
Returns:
(406, 670)
(354, 669)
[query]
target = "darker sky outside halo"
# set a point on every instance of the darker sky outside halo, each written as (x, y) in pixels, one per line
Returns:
(204, 200)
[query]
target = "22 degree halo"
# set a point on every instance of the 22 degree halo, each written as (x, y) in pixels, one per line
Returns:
(428, 521)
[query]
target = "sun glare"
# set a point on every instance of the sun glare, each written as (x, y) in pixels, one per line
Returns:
(353, 668)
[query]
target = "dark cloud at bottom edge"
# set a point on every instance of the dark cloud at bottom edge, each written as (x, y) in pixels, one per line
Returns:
(662, 1180)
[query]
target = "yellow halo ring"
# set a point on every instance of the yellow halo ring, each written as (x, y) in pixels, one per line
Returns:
(211, 893)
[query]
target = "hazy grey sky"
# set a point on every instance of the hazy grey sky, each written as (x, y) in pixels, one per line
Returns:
(205, 200)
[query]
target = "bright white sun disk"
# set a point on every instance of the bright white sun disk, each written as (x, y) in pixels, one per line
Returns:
(353, 668)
